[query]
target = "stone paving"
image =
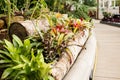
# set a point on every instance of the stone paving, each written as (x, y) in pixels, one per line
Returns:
(108, 56)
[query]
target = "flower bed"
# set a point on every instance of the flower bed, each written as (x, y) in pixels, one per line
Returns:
(50, 50)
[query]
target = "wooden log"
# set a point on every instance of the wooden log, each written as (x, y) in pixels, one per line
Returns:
(15, 19)
(17, 29)
(61, 67)
(3, 35)
(1, 23)
(28, 28)
(4, 20)
(84, 64)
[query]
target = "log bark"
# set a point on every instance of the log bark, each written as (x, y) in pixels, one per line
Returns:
(27, 28)
(15, 19)
(4, 20)
(1, 23)
(17, 29)
(64, 64)
(3, 35)
(84, 64)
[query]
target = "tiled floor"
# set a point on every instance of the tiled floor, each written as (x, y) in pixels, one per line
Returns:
(108, 59)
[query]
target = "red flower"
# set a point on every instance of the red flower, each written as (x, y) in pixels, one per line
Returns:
(61, 29)
(77, 25)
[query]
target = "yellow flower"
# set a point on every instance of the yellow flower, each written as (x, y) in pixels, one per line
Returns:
(58, 15)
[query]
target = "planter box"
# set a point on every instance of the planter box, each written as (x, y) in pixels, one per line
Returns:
(65, 62)
(84, 64)
(61, 67)
(82, 60)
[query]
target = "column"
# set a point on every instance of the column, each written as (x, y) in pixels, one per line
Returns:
(103, 2)
(114, 3)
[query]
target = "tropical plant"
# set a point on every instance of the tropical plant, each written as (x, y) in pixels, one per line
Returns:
(54, 43)
(55, 40)
(23, 62)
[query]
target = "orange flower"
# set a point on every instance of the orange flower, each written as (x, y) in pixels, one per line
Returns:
(54, 30)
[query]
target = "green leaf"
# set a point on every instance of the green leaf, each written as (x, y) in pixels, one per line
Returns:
(9, 46)
(27, 42)
(6, 73)
(5, 61)
(17, 39)
(60, 39)
(1, 42)
(40, 56)
(6, 65)
(27, 45)
(24, 59)
(21, 72)
(28, 69)
(46, 69)
(18, 66)
(3, 57)
(5, 53)
(16, 61)
(15, 43)
(32, 54)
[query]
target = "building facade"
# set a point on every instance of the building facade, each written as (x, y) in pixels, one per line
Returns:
(107, 6)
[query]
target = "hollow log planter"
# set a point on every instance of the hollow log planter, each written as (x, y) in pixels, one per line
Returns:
(24, 28)
(85, 64)
(63, 65)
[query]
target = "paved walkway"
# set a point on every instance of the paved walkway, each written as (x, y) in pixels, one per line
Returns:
(108, 58)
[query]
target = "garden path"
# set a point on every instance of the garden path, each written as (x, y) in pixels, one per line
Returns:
(108, 52)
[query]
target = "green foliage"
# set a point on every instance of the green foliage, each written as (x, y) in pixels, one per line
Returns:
(65, 6)
(106, 14)
(81, 12)
(22, 62)
(39, 6)
(117, 2)
(91, 3)
(2, 4)
(16, 5)
(55, 5)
